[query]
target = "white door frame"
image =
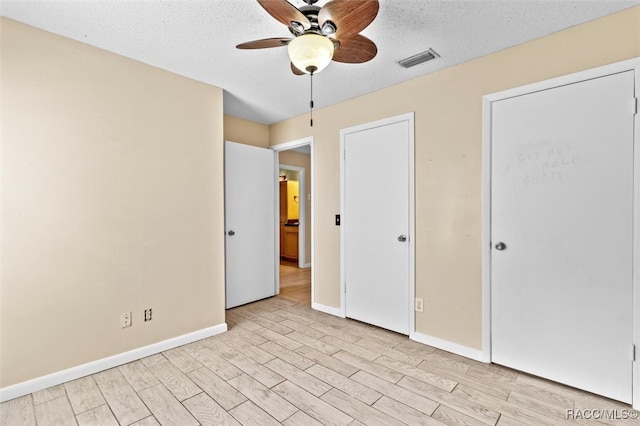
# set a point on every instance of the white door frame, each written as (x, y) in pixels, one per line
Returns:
(283, 147)
(627, 65)
(302, 211)
(412, 245)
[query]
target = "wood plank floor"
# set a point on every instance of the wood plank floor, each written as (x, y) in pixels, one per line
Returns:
(283, 363)
(295, 283)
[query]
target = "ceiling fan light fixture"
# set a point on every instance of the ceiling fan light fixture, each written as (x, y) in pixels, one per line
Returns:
(329, 28)
(296, 28)
(311, 53)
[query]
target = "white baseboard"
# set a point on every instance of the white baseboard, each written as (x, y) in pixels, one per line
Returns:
(448, 346)
(328, 309)
(73, 373)
(307, 265)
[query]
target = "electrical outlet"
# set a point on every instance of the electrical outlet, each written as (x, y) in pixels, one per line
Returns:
(125, 319)
(147, 315)
(419, 304)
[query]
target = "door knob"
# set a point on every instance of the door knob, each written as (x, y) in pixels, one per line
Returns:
(231, 233)
(500, 246)
(402, 238)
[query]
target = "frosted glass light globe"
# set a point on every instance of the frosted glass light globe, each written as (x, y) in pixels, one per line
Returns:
(310, 53)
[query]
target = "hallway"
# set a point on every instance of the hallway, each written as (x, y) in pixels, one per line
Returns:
(295, 283)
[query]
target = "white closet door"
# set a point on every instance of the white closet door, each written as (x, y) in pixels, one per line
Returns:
(562, 205)
(376, 221)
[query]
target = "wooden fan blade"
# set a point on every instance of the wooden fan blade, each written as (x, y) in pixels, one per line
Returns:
(349, 16)
(285, 12)
(264, 43)
(295, 70)
(355, 50)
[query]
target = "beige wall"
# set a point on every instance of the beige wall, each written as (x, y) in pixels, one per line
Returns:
(112, 179)
(448, 163)
(299, 159)
(245, 131)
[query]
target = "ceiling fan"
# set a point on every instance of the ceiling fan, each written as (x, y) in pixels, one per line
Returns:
(321, 34)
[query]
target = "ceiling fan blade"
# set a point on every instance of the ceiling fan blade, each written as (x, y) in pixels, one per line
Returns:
(285, 12)
(264, 43)
(355, 50)
(349, 16)
(295, 70)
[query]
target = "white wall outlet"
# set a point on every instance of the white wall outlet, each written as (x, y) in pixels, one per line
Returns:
(125, 319)
(147, 315)
(419, 304)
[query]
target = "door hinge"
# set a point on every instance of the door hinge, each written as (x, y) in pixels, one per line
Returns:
(635, 106)
(633, 352)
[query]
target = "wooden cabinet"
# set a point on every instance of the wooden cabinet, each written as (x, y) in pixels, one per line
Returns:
(282, 240)
(283, 203)
(289, 242)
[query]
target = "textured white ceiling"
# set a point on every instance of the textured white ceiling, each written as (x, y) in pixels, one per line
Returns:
(197, 39)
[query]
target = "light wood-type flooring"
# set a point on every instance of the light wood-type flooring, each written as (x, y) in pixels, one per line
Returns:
(283, 363)
(295, 283)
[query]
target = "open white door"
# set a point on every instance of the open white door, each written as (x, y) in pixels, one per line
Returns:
(250, 223)
(562, 234)
(377, 222)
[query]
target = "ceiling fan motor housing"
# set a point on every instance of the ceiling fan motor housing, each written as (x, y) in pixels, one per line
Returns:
(328, 28)
(333, 30)
(311, 12)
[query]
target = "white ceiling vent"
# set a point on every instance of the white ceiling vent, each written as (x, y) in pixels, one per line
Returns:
(419, 58)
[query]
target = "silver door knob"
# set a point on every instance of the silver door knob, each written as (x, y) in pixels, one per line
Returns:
(231, 233)
(402, 238)
(500, 246)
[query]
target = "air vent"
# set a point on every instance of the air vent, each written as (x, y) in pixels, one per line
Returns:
(421, 57)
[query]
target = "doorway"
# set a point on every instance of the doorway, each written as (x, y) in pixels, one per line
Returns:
(559, 230)
(294, 211)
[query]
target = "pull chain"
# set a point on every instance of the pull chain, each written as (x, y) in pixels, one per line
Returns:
(311, 102)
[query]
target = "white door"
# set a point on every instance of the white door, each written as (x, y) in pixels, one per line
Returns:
(561, 231)
(376, 224)
(250, 223)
